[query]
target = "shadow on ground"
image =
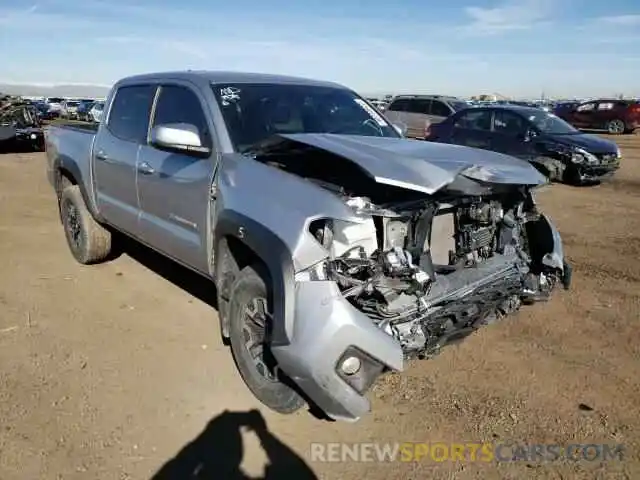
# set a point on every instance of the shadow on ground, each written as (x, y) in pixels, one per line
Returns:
(218, 451)
(10, 146)
(194, 284)
(189, 281)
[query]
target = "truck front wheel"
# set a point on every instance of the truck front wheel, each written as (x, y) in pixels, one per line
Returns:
(88, 241)
(249, 319)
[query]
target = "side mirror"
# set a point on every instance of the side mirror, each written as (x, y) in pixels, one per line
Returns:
(178, 137)
(401, 128)
(528, 135)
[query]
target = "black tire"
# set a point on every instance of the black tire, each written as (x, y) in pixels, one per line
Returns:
(272, 390)
(88, 241)
(616, 127)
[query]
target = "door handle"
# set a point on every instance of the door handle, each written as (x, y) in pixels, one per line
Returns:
(101, 156)
(145, 168)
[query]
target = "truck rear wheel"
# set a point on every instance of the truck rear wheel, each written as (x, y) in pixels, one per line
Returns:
(248, 324)
(88, 241)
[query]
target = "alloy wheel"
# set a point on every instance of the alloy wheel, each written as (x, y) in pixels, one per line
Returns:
(254, 331)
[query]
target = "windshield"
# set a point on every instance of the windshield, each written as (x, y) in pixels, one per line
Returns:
(254, 112)
(549, 123)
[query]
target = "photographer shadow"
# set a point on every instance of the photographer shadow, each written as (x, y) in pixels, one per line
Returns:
(218, 451)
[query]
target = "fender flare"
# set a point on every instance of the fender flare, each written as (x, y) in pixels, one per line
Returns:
(58, 167)
(278, 260)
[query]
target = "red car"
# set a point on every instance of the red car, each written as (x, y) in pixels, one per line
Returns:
(615, 116)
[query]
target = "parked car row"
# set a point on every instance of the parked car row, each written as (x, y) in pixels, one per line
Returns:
(553, 146)
(615, 116)
(88, 110)
(545, 134)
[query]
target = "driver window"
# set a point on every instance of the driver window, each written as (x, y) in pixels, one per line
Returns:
(508, 123)
(178, 104)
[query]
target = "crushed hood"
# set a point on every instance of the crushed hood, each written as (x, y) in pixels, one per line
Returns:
(416, 165)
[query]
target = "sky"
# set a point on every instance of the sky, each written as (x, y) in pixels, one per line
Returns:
(518, 48)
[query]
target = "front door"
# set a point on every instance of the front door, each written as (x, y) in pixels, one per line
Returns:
(509, 135)
(174, 187)
(472, 129)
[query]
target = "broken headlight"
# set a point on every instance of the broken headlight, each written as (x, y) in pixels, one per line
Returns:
(580, 155)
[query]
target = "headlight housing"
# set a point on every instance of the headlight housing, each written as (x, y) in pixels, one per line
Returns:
(580, 155)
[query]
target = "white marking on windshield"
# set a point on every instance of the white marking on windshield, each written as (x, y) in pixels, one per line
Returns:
(229, 94)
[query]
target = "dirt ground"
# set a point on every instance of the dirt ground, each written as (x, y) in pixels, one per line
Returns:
(109, 371)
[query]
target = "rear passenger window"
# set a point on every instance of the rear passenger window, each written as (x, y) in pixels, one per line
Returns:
(398, 105)
(439, 109)
(586, 107)
(178, 104)
(474, 120)
(418, 105)
(129, 114)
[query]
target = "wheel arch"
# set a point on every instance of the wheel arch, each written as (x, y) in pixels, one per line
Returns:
(65, 173)
(240, 241)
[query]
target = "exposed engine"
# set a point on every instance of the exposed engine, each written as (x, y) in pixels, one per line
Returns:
(476, 232)
(428, 288)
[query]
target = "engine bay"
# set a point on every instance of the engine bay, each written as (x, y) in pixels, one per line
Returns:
(429, 286)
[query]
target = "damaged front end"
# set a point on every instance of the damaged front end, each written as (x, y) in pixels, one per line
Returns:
(20, 124)
(432, 271)
(417, 265)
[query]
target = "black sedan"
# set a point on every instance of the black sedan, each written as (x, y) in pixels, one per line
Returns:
(556, 148)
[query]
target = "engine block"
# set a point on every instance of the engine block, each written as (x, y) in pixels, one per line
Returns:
(475, 232)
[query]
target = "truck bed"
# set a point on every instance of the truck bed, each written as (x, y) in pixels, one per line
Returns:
(83, 126)
(69, 146)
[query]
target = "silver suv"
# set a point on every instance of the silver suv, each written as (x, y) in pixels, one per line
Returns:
(417, 112)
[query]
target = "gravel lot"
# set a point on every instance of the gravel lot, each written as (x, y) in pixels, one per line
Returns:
(108, 372)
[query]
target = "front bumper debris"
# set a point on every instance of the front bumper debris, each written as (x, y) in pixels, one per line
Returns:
(328, 332)
(598, 171)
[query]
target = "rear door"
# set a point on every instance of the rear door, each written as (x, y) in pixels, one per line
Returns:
(174, 187)
(115, 154)
(472, 128)
(395, 111)
(607, 110)
(438, 111)
(417, 117)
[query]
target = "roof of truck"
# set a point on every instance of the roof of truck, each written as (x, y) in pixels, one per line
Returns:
(227, 77)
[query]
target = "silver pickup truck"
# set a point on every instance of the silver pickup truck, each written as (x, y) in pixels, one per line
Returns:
(338, 249)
